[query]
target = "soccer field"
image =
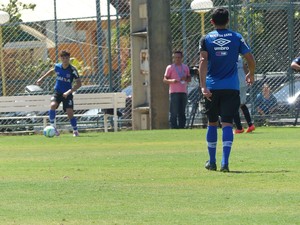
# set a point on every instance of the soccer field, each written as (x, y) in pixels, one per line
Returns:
(149, 177)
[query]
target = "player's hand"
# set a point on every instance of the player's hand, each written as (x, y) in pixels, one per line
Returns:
(249, 79)
(39, 82)
(174, 81)
(206, 93)
(65, 95)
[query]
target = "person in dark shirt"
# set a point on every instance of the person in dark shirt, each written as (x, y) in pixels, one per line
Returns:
(265, 101)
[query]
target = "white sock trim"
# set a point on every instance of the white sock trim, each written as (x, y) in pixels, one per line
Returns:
(212, 144)
(227, 143)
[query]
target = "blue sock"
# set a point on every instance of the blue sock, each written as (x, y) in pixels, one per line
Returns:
(227, 143)
(52, 114)
(211, 138)
(73, 122)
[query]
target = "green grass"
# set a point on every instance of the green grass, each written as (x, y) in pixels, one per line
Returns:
(149, 177)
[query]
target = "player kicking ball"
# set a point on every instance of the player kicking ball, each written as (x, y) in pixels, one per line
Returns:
(63, 90)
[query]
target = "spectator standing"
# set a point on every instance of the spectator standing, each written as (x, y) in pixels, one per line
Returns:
(177, 76)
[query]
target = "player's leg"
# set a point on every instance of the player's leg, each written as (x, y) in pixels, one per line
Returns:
(230, 102)
(246, 113)
(238, 123)
(55, 101)
(211, 109)
(68, 105)
(245, 109)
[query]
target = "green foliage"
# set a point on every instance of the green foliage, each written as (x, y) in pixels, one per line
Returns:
(33, 70)
(247, 17)
(81, 68)
(149, 177)
(121, 37)
(192, 24)
(126, 76)
(14, 8)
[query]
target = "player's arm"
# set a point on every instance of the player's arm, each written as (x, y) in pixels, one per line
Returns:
(77, 85)
(251, 67)
(203, 72)
(73, 89)
(75, 75)
(203, 68)
(245, 68)
(48, 73)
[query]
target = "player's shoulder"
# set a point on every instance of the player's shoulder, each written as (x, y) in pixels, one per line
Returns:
(235, 34)
(74, 71)
(73, 67)
(58, 65)
(211, 34)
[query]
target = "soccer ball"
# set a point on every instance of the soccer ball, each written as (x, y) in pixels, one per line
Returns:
(49, 131)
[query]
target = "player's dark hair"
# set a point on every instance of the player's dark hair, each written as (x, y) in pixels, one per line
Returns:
(64, 53)
(178, 52)
(220, 16)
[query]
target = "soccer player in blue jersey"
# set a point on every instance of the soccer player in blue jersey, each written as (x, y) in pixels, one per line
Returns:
(219, 51)
(63, 90)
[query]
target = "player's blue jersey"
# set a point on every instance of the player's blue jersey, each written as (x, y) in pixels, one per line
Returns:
(223, 47)
(64, 77)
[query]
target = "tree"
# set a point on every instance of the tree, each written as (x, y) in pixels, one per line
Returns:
(14, 8)
(122, 7)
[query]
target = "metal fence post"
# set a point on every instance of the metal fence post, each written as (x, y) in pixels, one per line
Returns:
(99, 45)
(55, 32)
(109, 46)
(291, 11)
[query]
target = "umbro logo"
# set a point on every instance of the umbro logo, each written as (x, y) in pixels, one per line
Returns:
(221, 42)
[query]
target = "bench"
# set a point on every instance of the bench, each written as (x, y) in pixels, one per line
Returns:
(41, 103)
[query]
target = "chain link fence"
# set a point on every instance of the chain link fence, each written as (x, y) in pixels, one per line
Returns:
(269, 27)
(100, 49)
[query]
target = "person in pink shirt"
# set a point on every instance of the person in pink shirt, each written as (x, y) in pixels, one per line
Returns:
(177, 76)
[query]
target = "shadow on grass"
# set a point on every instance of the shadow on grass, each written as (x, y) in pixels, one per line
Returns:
(261, 171)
